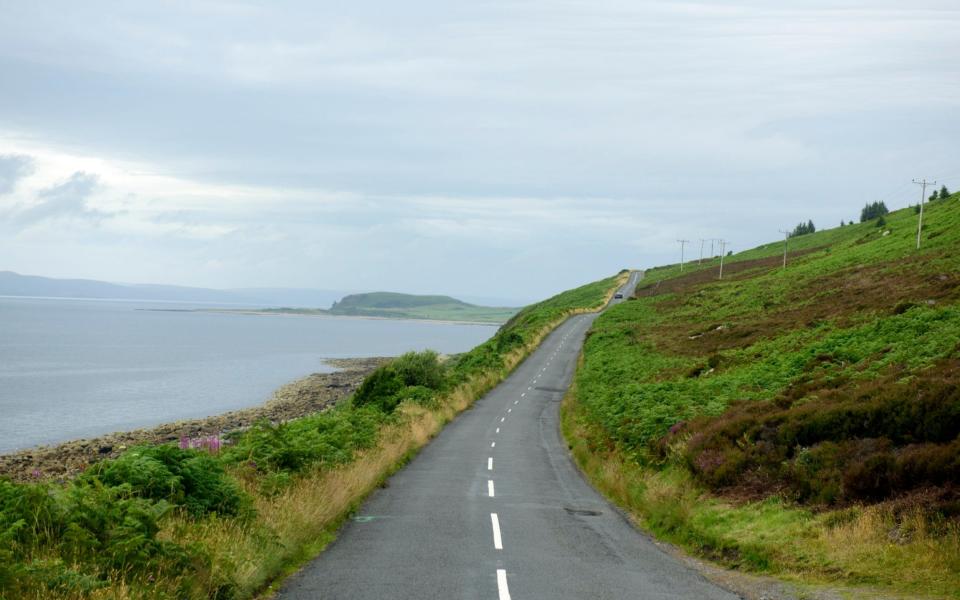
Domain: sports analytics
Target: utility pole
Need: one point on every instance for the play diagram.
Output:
(786, 236)
(723, 247)
(701, 251)
(923, 196)
(711, 248)
(682, 244)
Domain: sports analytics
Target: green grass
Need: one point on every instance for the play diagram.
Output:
(691, 398)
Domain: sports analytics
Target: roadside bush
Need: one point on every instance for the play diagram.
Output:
(101, 529)
(325, 439)
(380, 389)
(192, 479)
(421, 369)
(386, 387)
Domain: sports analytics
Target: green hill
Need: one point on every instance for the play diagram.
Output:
(393, 301)
(392, 305)
(407, 306)
(803, 421)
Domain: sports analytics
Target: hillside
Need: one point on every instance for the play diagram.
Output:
(804, 421)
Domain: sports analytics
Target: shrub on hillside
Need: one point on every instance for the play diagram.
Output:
(95, 530)
(844, 445)
(380, 389)
(385, 387)
(324, 439)
(192, 479)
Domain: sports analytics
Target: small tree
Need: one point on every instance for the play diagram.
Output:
(933, 196)
(944, 193)
(872, 211)
(803, 229)
(881, 222)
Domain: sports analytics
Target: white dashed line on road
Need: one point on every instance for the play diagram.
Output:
(493, 444)
(490, 464)
(502, 588)
(498, 430)
(497, 540)
(490, 488)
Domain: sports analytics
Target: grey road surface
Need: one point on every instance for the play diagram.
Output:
(494, 508)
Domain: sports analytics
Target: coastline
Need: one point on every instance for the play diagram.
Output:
(303, 396)
(325, 315)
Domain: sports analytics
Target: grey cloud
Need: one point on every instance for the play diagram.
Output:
(64, 200)
(13, 168)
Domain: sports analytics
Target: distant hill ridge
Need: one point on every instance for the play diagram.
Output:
(394, 300)
(273, 300)
(410, 306)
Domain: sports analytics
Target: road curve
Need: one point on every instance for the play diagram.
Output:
(494, 508)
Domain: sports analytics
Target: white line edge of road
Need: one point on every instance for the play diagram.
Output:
(497, 540)
(502, 589)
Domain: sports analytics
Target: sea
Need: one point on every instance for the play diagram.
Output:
(79, 368)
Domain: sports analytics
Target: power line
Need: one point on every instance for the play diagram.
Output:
(923, 196)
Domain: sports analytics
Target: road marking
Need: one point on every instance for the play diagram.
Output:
(497, 540)
(516, 402)
(509, 410)
(502, 588)
(523, 395)
(490, 488)
(498, 430)
(490, 464)
(493, 444)
(502, 419)
(529, 388)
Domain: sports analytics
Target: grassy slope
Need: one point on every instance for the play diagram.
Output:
(854, 308)
(228, 525)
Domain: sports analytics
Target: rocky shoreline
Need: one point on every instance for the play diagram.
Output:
(310, 394)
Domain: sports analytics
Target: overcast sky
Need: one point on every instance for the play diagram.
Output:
(500, 148)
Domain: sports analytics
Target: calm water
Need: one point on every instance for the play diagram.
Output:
(75, 368)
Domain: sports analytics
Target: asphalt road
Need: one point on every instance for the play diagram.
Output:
(494, 508)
